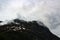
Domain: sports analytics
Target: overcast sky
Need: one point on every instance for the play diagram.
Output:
(47, 11)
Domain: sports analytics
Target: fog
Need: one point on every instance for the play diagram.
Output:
(46, 11)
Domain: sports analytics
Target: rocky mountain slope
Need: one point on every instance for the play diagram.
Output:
(22, 30)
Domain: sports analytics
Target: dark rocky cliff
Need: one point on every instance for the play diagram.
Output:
(22, 30)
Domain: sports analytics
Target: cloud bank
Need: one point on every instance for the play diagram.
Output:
(47, 11)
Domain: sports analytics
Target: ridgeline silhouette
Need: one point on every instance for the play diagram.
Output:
(22, 30)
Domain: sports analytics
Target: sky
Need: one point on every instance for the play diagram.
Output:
(46, 11)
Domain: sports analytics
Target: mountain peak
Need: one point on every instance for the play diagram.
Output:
(23, 30)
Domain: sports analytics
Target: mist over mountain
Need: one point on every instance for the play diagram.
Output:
(23, 30)
(46, 11)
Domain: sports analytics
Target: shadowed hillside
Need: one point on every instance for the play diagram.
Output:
(22, 30)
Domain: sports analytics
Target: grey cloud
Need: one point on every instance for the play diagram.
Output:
(47, 11)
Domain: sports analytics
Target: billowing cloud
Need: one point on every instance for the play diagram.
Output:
(47, 11)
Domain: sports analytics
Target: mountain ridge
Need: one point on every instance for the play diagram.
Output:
(23, 30)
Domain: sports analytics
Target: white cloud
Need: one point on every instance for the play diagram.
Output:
(47, 11)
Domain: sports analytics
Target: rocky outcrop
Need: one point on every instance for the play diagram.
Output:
(22, 30)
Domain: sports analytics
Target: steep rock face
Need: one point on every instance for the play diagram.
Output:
(22, 30)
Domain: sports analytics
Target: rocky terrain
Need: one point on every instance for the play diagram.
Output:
(22, 30)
